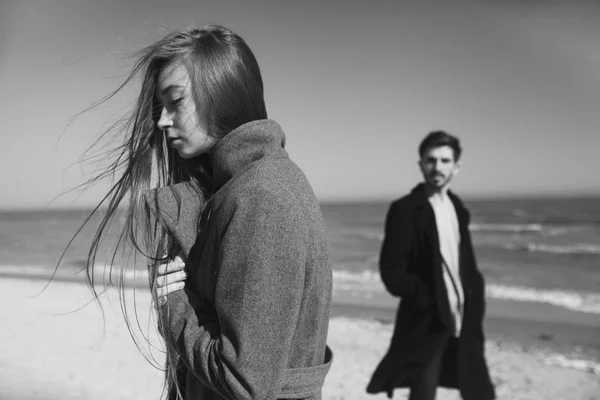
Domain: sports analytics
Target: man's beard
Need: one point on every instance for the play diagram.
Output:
(442, 181)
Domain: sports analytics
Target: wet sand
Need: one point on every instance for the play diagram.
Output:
(542, 327)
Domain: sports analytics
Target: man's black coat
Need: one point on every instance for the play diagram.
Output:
(411, 268)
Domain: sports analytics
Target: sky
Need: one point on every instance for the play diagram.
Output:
(355, 85)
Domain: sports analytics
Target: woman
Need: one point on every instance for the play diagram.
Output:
(252, 320)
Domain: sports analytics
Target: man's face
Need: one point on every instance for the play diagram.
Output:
(438, 166)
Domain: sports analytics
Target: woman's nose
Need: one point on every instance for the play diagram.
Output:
(165, 120)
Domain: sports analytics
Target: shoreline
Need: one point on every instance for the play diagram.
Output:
(539, 327)
(551, 330)
(366, 284)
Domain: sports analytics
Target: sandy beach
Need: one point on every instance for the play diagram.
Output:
(52, 348)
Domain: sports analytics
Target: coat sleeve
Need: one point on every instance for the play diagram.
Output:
(395, 256)
(242, 352)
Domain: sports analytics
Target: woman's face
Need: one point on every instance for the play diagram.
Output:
(178, 117)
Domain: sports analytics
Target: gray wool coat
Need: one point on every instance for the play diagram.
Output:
(252, 322)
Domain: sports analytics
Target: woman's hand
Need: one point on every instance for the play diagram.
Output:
(170, 277)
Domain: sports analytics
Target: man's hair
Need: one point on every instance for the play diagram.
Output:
(438, 139)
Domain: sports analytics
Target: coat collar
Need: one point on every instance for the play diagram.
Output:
(421, 201)
(244, 145)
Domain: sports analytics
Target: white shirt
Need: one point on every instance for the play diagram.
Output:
(449, 238)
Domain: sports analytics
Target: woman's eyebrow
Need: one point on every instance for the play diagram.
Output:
(166, 90)
(163, 93)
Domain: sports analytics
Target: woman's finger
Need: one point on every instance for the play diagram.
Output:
(172, 266)
(173, 277)
(165, 290)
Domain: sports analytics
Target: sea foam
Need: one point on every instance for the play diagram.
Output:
(370, 281)
(363, 283)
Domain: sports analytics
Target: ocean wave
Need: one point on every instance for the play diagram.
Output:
(506, 228)
(578, 364)
(541, 229)
(535, 229)
(575, 249)
(377, 236)
(578, 301)
(366, 281)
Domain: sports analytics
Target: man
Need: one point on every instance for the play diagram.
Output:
(427, 259)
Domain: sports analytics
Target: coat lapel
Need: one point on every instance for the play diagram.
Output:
(426, 221)
(461, 212)
(463, 225)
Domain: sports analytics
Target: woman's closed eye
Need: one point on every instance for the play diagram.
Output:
(171, 104)
(177, 101)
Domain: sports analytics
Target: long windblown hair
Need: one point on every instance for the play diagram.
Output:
(228, 92)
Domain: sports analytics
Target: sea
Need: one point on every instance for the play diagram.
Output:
(543, 250)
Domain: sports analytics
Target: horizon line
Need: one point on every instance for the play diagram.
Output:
(349, 200)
